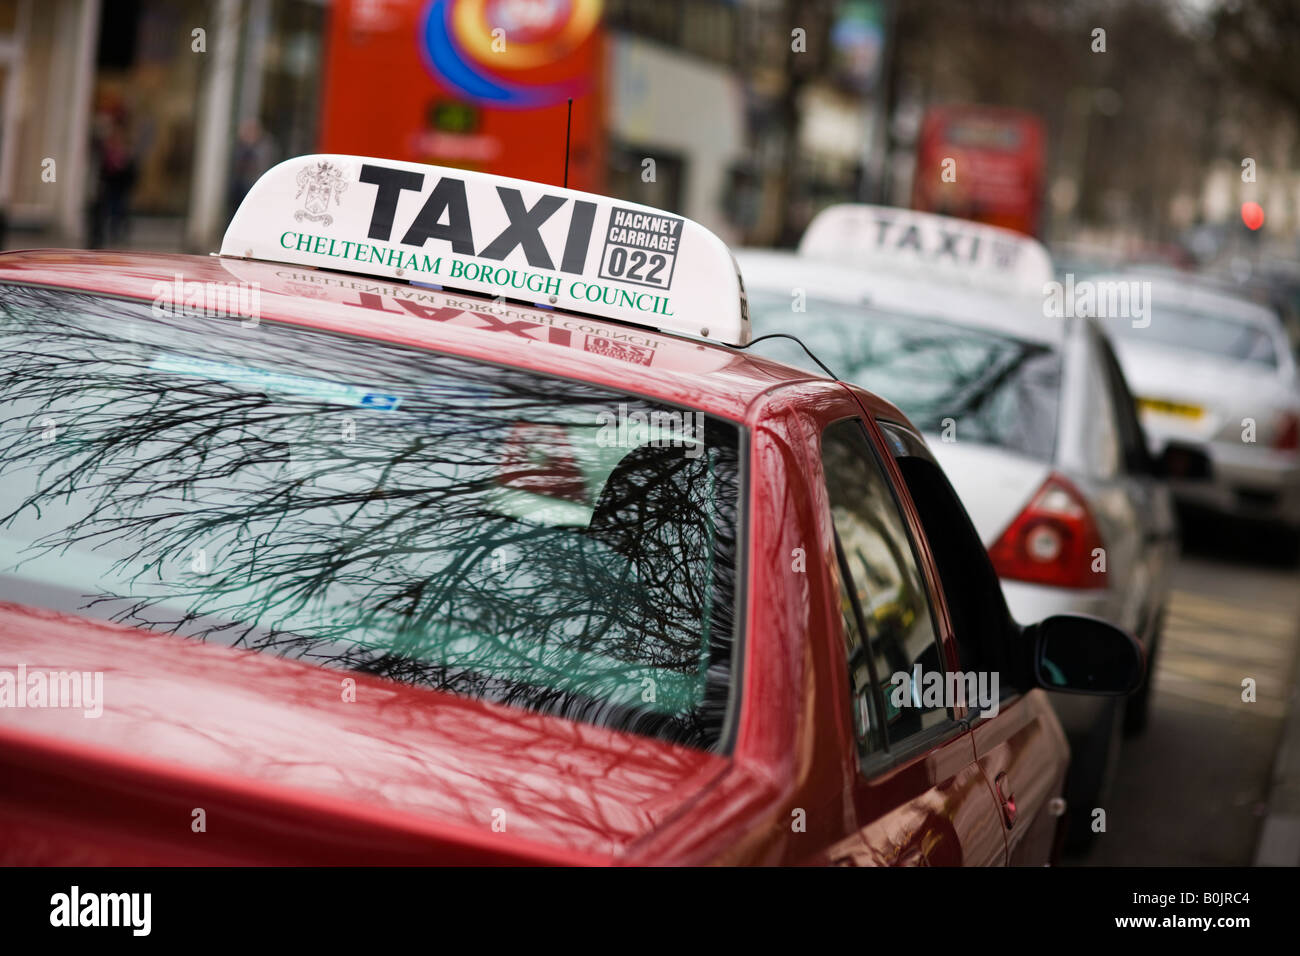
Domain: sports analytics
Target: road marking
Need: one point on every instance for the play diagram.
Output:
(1194, 789)
(1211, 644)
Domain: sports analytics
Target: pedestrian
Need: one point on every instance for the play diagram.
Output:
(255, 153)
(115, 171)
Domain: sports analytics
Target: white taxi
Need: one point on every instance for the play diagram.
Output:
(1028, 414)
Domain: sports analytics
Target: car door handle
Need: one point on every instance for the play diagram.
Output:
(1002, 784)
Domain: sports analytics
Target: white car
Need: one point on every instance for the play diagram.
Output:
(1029, 416)
(1214, 374)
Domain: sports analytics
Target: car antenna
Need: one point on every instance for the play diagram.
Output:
(568, 127)
(796, 340)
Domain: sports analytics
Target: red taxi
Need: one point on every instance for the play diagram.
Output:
(445, 518)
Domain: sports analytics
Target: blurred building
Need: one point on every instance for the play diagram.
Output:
(744, 114)
(179, 79)
(723, 110)
(747, 115)
(765, 110)
(677, 101)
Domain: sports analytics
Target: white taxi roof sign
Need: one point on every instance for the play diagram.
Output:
(491, 234)
(958, 250)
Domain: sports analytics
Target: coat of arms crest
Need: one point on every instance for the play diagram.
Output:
(320, 183)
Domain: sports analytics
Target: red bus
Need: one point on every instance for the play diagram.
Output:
(983, 163)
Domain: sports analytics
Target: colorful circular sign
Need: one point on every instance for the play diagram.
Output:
(507, 53)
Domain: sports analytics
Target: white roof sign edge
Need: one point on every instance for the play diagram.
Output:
(887, 237)
(492, 234)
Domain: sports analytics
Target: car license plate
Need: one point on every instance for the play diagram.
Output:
(1164, 407)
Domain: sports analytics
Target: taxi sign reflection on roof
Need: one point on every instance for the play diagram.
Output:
(504, 237)
(958, 250)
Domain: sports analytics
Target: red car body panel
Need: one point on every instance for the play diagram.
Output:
(406, 752)
(1018, 744)
(286, 772)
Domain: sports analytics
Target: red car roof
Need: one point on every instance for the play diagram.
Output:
(715, 378)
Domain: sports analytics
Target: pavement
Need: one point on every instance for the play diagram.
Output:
(1279, 838)
(1215, 780)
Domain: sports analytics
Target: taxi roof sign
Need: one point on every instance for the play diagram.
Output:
(888, 238)
(490, 234)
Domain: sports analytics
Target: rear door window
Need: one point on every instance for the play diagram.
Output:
(897, 633)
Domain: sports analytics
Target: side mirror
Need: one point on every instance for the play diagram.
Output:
(1085, 655)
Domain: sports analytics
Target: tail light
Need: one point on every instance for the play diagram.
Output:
(1288, 434)
(1053, 541)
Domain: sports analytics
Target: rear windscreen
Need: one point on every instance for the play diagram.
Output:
(1200, 331)
(434, 520)
(1003, 391)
